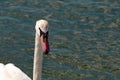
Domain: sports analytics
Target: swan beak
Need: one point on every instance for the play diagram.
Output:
(45, 43)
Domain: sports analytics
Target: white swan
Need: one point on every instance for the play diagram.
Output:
(11, 72)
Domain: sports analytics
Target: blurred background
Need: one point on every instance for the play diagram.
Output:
(84, 37)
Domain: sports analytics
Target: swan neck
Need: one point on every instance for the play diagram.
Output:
(37, 69)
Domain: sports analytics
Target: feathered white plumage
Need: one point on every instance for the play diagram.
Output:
(11, 72)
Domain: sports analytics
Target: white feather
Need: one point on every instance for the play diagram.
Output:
(11, 72)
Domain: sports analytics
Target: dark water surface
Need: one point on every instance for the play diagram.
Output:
(84, 37)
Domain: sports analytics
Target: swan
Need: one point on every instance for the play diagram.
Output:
(11, 72)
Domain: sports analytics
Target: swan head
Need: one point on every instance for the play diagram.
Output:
(42, 31)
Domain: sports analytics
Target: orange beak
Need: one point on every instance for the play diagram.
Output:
(45, 44)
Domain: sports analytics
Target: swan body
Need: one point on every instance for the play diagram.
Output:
(11, 72)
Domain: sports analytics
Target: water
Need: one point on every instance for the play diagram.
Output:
(84, 37)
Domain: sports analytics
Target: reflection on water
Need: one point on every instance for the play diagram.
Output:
(84, 37)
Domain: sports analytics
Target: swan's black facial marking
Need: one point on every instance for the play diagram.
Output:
(42, 33)
(44, 41)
